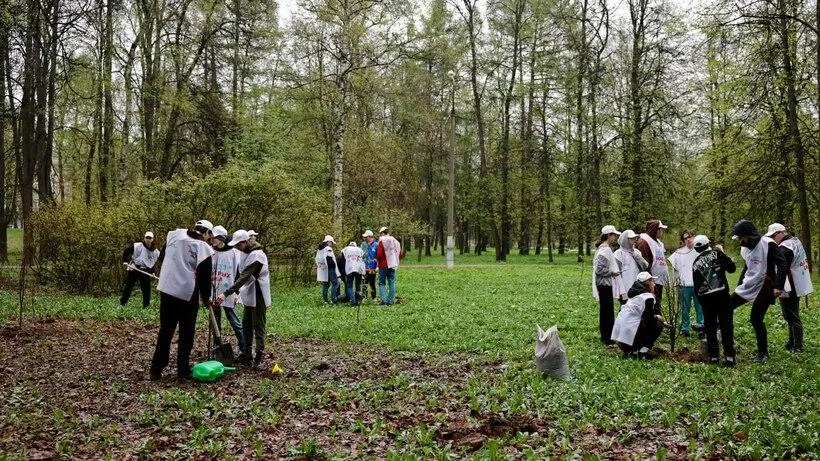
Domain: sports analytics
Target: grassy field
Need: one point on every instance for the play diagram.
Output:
(447, 373)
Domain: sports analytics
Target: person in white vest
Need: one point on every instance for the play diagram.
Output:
(354, 268)
(387, 257)
(253, 285)
(226, 262)
(142, 255)
(761, 281)
(185, 278)
(326, 271)
(712, 290)
(652, 249)
(639, 323)
(681, 261)
(606, 282)
(630, 261)
(798, 283)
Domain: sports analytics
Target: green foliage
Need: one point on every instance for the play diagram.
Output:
(79, 247)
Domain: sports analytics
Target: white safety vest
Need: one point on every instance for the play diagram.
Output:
(629, 319)
(629, 267)
(248, 290)
(354, 259)
(657, 267)
(392, 249)
(225, 267)
(682, 260)
(321, 263)
(799, 270)
(143, 257)
(182, 256)
(755, 275)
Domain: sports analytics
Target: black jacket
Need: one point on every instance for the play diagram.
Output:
(709, 274)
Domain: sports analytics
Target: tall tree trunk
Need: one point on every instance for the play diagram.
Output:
(506, 220)
(580, 125)
(4, 54)
(794, 142)
(107, 56)
(126, 122)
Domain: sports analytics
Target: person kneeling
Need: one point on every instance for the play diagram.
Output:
(639, 324)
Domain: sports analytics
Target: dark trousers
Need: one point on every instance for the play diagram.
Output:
(717, 312)
(757, 317)
(172, 312)
(253, 329)
(370, 279)
(649, 330)
(791, 313)
(606, 313)
(145, 287)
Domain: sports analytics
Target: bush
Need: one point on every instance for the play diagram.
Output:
(79, 247)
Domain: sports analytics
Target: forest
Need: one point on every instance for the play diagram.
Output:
(537, 121)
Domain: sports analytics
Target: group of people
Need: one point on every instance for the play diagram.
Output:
(776, 267)
(357, 265)
(201, 264)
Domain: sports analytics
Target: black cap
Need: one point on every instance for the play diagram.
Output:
(744, 228)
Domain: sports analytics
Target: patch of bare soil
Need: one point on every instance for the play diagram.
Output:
(79, 389)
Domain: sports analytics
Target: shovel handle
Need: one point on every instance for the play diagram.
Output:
(134, 268)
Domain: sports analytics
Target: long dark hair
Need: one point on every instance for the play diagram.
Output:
(603, 238)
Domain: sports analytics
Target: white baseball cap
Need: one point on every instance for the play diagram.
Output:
(253, 232)
(239, 236)
(661, 225)
(204, 223)
(644, 276)
(148, 234)
(701, 241)
(383, 230)
(609, 229)
(329, 238)
(220, 231)
(630, 234)
(368, 233)
(775, 228)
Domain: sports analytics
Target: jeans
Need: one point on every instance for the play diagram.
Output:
(687, 298)
(791, 313)
(173, 312)
(333, 284)
(145, 287)
(236, 325)
(606, 313)
(387, 286)
(352, 287)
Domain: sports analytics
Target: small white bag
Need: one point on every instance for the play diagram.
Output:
(550, 354)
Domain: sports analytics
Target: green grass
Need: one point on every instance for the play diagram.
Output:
(490, 310)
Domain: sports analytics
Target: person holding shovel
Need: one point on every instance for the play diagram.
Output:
(143, 256)
(185, 278)
(253, 285)
(226, 262)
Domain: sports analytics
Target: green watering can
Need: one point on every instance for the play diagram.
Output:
(209, 371)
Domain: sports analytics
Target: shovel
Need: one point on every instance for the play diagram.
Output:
(222, 352)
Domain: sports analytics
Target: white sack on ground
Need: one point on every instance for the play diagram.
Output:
(550, 354)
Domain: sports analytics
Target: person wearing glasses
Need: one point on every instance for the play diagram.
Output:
(681, 261)
(143, 256)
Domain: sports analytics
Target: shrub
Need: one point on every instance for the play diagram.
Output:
(79, 247)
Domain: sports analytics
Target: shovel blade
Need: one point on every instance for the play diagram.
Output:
(223, 353)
